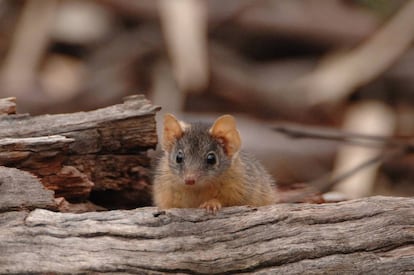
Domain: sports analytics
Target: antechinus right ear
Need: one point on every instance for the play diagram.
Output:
(172, 131)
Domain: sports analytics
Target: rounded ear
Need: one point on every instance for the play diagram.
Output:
(224, 129)
(172, 131)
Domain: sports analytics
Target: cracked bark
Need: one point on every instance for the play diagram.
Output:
(73, 154)
(365, 236)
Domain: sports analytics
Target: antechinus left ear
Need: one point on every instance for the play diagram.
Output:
(224, 129)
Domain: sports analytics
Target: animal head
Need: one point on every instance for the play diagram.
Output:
(198, 153)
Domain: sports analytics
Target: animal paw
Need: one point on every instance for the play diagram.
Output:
(211, 206)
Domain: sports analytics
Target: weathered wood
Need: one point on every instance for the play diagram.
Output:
(366, 236)
(65, 206)
(104, 149)
(20, 190)
(44, 157)
(117, 128)
(7, 106)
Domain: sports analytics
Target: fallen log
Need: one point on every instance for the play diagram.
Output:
(366, 236)
(73, 154)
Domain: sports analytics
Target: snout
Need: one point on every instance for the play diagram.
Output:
(191, 178)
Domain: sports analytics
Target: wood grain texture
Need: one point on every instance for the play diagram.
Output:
(365, 236)
(20, 190)
(7, 106)
(44, 157)
(115, 128)
(72, 154)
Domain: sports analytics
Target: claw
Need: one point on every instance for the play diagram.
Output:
(211, 206)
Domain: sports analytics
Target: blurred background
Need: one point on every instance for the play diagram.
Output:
(299, 76)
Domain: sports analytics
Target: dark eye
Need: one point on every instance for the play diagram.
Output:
(211, 158)
(179, 158)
